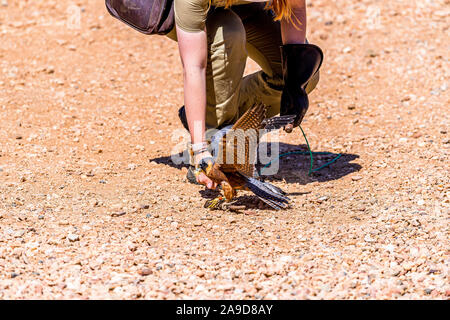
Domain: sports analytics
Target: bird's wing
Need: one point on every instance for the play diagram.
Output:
(252, 118)
(241, 142)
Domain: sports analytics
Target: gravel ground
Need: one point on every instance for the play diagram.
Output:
(91, 207)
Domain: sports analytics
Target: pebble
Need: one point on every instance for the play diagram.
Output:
(346, 50)
(118, 214)
(156, 233)
(19, 233)
(145, 271)
(356, 178)
(73, 237)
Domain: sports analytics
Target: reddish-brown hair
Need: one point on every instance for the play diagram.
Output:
(281, 8)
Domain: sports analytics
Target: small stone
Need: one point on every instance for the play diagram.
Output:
(132, 166)
(367, 238)
(371, 53)
(156, 233)
(395, 271)
(118, 214)
(73, 237)
(144, 206)
(428, 291)
(435, 92)
(356, 178)
(50, 70)
(145, 272)
(19, 234)
(197, 223)
(14, 275)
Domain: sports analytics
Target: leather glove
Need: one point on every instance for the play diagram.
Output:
(300, 63)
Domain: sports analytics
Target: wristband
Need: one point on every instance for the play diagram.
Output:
(196, 147)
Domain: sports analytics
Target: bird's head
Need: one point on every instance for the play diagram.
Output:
(206, 164)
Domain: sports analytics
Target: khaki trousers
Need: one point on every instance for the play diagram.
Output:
(233, 35)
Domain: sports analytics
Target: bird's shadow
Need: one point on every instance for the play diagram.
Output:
(291, 168)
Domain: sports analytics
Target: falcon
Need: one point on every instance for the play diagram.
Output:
(236, 153)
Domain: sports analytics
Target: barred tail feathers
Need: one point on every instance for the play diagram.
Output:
(268, 193)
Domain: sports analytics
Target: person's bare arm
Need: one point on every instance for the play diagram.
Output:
(193, 53)
(289, 32)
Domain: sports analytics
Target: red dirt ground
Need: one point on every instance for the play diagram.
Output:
(92, 207)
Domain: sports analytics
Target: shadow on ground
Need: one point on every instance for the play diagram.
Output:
(293, 168)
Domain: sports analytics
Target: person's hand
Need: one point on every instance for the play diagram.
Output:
(200, 174)
(294, 101)
(300, 63)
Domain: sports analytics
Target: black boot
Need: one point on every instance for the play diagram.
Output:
(300, 63)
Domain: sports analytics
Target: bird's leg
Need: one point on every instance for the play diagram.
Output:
(229, 193)
(222, 202)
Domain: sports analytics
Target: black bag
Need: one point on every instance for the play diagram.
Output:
(146, 16)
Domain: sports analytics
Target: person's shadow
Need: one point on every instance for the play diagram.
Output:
(294, 167)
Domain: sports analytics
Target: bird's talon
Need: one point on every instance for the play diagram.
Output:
(214, 203)
(227, 205)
